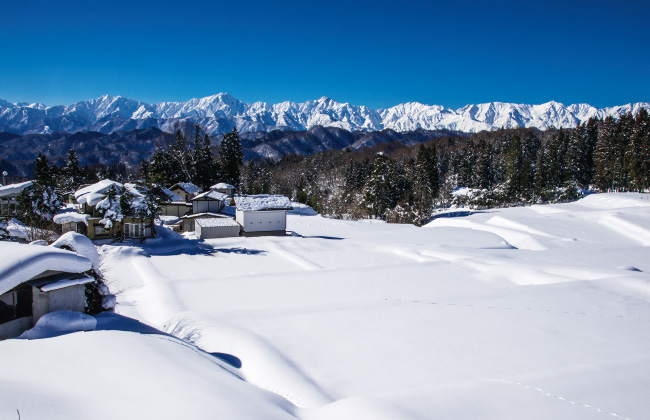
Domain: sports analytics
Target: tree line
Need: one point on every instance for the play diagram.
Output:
(499, 168)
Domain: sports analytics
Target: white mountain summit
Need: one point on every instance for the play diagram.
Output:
(220, 113)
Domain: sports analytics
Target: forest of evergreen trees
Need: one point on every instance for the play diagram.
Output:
(502, 168)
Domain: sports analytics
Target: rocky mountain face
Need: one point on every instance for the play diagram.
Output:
(218, 114)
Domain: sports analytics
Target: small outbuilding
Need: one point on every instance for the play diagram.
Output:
(224, 188)
(217, 227)
(185, 190)
(262, 215)
(36, 280)
(209, 202)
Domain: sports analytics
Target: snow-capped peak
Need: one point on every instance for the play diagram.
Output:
(220, 112)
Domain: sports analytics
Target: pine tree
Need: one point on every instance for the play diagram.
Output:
(205, 167)
(126, 202)
(179, 157)
(517, 171)
(151, 203)
(231, 158)
(376, 198)
(39, 204)
(72, 175)
(540, 183)
(555, 158)
(625, 130)
(575, 161)
(605, 155)
(159, 170)
(637, 155)
(591, 140)
(483, 172)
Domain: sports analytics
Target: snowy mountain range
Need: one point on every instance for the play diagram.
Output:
(220, 113)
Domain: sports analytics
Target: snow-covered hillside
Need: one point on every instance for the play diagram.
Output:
(535, 312)
(220, 113)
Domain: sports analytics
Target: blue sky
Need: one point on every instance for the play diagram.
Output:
(375, 53)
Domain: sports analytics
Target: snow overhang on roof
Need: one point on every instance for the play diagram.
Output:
(69, 215)
(195, 215)
(20, 263)
(222, 185)
(14, 189)
(93, 194)
(211, 195)
(60, 281)
(262, 202)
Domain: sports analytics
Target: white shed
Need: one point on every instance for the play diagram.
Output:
(262, 214)
(209, 202)
(217, 227)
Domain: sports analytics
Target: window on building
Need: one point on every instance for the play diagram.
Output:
(15, 304)
(100, 230)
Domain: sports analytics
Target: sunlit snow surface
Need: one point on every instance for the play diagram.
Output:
(538, 312)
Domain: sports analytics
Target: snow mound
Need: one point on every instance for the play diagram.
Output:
(59, 323)
(302, 210)
(615, 201)
(79, 244)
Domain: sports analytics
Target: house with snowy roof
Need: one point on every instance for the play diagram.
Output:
(36, 280)
(185, 190)
(173, 205)
(97, 215)
(224, 188)
(262, 214)
(9, 197)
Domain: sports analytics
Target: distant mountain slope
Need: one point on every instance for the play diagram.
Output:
(17, 153)
(220, 113)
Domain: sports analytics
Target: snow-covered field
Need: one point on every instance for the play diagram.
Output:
(538, 312)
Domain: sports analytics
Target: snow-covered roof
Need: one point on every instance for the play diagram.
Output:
(79, 244)
(188, 187)
(172, 196)
(68, 215)
(195, 215)
(14, 189)
(211, 194)
(216, 222)
(93, 194)
(222, 185)
(20, 263)
(262, 202)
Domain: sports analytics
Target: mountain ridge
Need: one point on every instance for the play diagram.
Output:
(221, 112)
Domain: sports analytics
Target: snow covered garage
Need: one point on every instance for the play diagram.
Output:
(36, 280)
(262, 215)
(217, 227)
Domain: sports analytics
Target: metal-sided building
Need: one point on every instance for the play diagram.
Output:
(217, 227)
(262, 215)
